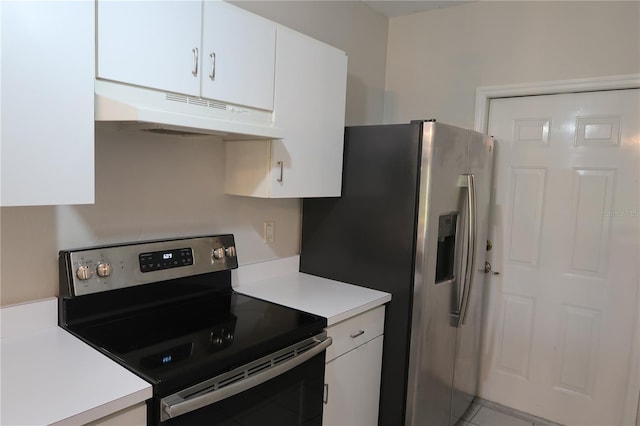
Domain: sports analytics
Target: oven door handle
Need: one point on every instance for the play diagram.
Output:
(209, 392)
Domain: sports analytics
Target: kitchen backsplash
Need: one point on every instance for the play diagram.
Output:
(147, 186)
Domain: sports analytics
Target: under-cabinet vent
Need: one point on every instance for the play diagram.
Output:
(218, 105)
(196, 101)
(177, 98)
(125, 107)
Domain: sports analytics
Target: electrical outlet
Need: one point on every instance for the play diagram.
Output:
(269, 234)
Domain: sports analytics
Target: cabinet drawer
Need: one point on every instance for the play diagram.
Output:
(353, 332)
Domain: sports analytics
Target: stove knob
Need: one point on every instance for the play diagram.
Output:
(218, 253)
(83, 272)
(230, 251)
(103, 269)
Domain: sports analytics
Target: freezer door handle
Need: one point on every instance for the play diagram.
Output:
(471, 248)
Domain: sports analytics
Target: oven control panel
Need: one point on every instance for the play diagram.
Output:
(105, 268)
(166, 259)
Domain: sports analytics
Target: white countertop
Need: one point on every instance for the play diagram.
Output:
(50, 377)
(280, 282)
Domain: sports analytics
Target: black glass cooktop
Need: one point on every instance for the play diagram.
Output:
(184, 342)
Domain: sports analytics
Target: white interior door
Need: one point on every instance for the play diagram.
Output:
(565, 218)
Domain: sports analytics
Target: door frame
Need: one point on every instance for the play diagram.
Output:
(484, 94)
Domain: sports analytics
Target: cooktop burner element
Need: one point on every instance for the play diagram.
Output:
(166, 310)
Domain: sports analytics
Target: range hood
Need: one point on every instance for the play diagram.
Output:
(135, 108)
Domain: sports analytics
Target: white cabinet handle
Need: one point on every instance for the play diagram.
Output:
(281, 164)
(359, 333)
(325, 397)
(195, 62)
(212, 76)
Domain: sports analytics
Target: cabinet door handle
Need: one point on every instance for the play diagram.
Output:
(281, 164)
(195, 62)
(325, 396)
(212, 76)
(359, 333)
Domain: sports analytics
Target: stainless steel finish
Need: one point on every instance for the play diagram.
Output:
(433, 337)
(218, 253)
(230, 251)
(468, 339)
(83, 272)
(463, 181)
(452, 281)
(194, 71)
(471, 251)
(125, 270)
(444, 348)
(358, 334)
(281, 164)
(242, 378)
(103, 269)
(212, 75)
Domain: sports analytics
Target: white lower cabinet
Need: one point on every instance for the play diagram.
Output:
(352, 373)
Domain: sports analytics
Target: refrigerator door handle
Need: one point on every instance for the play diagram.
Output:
(471, 248)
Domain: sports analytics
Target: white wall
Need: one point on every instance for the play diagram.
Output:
(437, 59)
(350, 26)
(152, 186)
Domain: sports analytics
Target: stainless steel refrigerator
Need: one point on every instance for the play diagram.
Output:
(412, 221)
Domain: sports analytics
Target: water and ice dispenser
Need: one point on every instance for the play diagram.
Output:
(445, 258)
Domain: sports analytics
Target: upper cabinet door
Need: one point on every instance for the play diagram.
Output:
(238, 59)
(46, 102)
(152, 44)
(311, 86)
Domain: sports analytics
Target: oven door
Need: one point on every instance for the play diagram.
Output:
(284, 388)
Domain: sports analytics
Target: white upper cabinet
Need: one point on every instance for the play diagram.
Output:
(310, 92)
(311, 88)
(238, 54)
(210, 49)
(47, 96)
(152, 44)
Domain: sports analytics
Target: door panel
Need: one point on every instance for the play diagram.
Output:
(353, 391)
(565, 227)
(238, 56)
(150, 43)
(445, 153)
(469, 336)
(309, 106)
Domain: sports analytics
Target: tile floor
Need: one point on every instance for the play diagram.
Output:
(479, 415)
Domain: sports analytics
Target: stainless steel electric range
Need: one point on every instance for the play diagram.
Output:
(166, 310)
